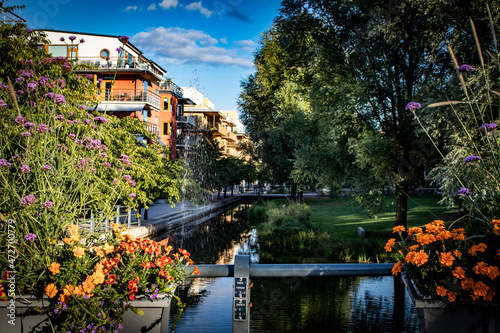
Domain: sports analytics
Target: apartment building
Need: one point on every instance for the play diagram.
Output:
(204, 118)
(129, 84)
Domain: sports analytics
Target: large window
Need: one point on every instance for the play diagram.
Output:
(165, 103)
(66, 51)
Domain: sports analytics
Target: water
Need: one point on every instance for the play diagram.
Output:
(351, 304)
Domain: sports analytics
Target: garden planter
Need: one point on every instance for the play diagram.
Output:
(28, 320)
(435, 316)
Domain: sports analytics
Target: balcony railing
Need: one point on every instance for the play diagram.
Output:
(140, 95)
(232, 136)
(98, 63)
(221, 129)
(11, 18)
(187, 120)
(169, 85)
(152, 128)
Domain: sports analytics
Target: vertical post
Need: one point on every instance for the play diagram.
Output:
(92, 223)
(241, 294)
(129, 217)
(117, 217)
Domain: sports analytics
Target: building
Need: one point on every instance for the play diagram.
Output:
(129, 84)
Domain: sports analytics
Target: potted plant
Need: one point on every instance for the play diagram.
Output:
(55, 165)
(451, 270)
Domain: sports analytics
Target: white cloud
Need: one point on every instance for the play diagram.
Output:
(176, 46)
(223, 40)
(167, 4)
(198, 6)
(130, 8)
(152, 6)
(246, 45)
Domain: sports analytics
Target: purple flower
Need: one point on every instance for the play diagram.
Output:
(29, 125)
(26, 134)
(465, 68)
(69, 122)
(25, 169)
(413, 106)
(30, 237)
(103, 155)
(46, 167)
(123, 39)
(132, 183)
(81, 107)
(19, 120)
(60, 99)
(50, 95)
(19, 79)
(100, 80)
(82, 40)
(31, 86)
(119, 49)
(31, 103)
(72, 136)
(124, 156)
(132, 195)
(87, 121)
(100, 119)
(44, 81)
(59, 117)
(61, 39)
(28, 200)
(4, 163)
(106, 164)
(42, 128)
(72, 38)
(2, 103)
(464, 191)
(48, 204)
(127, 178)
(79, 141)
(471, 158)
(488, 127)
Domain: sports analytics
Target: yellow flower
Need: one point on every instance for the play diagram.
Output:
(99, 251)
(73, 229)
(108, 248)
(50, 290)
(54, 268)
(78, 251)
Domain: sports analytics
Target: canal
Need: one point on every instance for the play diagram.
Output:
(323, 304)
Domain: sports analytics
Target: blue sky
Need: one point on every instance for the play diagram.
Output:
(207, 44)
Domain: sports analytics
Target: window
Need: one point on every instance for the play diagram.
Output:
(165, 103)
(104, 53)
(146, 85)
(58, 50)
(166, 128)
(179, 110)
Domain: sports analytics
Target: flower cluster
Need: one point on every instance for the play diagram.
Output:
(111, 270)
(448, 262)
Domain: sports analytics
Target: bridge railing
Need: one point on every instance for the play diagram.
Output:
(243, 270)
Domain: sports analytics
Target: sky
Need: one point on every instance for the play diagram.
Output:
(207, 44)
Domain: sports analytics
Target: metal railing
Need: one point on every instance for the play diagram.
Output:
(169, 85)
(98, 63)
(243, 270)
(91, 223)
(151, 128)
(187, 119)
(133, 95)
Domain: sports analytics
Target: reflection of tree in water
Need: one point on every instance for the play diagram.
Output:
(301, 305)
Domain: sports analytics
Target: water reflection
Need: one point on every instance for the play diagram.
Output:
(353, 304)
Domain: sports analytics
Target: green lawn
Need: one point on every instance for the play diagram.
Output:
(343, 216)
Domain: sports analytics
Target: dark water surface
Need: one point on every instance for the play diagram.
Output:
(322, 304)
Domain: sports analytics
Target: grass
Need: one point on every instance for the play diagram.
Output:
(330, 232)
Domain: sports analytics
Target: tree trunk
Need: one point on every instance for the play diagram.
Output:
(402, 203)
(293, 192)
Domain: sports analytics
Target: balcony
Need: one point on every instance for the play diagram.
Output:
(231, 136)
(130, 96)
(11, 18)
(186, 120)
(93, 64)
(169, 85)
(152, 128)
(219, 128)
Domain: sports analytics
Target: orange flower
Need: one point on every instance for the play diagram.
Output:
(148, 265)
(489, 295)
(451, 296)
(414, 230)
(443, 235)
(108, 248)
(457, 253)
(414, 247)
(111, 279)
(51, 290)
(441, 291)
(78, 251)
(71, 239)
(459, 273)
(87, 285)
(197, 271)
(97, 277)
(396, 269)
(424, 239)
(493, 272)
(467, 283)
(54, 268)
(398, 228)
(480, 289)
(390, 243)
(99, 251)
(481, 268)
(420, 258)
(481, 247)
(446, 259)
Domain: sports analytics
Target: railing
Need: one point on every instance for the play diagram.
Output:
(173, 88)
(11, 18)
(221, 129)
(232, 136)
(186, 141)
(98, 63)
(91, 223)
(187, 120)
(242, 271)
(151, 128)
(140, 95)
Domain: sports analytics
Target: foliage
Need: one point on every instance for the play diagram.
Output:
(57, 161)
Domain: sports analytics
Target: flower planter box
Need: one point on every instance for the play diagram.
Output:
(436, 316)
(27, 320)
